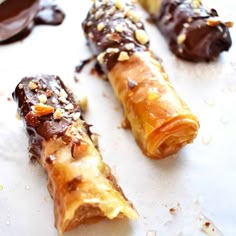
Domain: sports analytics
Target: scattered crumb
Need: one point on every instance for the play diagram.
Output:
(76, 78)
(9, 99)
(208, 227)
(83, 103)
(105, 95)
(207, 139)
(151, 233)
(173, 210)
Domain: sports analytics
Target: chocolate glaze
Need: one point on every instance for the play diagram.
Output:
(202, 41)
(18, 18)
(44, 127)
(83, 63)
(101, 29)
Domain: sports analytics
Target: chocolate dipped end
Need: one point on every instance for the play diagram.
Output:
(15, 16)
(114, 32)
(18, 18)
(194, 33)
(47, 108)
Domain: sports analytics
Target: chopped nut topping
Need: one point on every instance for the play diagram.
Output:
(213, 21)
(133, 16)
(100, 26)
(58, 114)
(76, 116)
(112, 50)
(141, 36)
(98, 14)
(42, 109)
(181, 38)
(31, 119)
(89, 23)
(42, 98)
(196, 4)
(119, 5)
(69, 106)
(32, 85)
(90, 35)
(186, 25)
(83, 104)
(20, 86)
(63, 93)
(229, 24)
(119, 28)
(100, 57)
(129, 46)
(123, 56)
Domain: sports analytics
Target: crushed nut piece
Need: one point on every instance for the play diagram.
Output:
(98, 14)
(20, 86)
(129, 46)
(172, 210)
(89, 23)
(119, 5)
(112, 50)
(229, 24)
(133, 16)
(100, 26)
(42, 109)
(100, 57)
(213, 21)
(42, 98)
(32, 85)
(69, 106)
(76, 116)
(181, 38)
(123, 56)
(63, 93)
(141, 36)
(119, 28)
(196, 4)
(58, 114)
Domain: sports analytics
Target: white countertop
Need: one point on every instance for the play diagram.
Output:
(199, 180)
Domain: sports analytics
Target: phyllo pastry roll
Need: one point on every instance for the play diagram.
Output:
(160, 120)
(80, 183)
(194, 32)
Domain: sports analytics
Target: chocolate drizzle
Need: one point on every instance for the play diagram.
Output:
(185, 23)
(110, 28)
(18, 18)
(27, 94)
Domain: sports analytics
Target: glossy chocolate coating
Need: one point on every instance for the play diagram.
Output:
(17, 18)
(110, 29)
(44, 127)
(200, 41)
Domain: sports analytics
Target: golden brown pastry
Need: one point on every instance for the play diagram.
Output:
(161, 122)
(80, 183)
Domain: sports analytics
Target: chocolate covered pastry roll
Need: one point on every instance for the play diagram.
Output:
(80, 183)
(160, 120)
(194, 32)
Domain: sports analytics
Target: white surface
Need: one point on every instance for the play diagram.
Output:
(200, 179)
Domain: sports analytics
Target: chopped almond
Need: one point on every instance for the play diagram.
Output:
(42, 109)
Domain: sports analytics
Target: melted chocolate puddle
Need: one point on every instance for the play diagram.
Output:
(48, 14)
